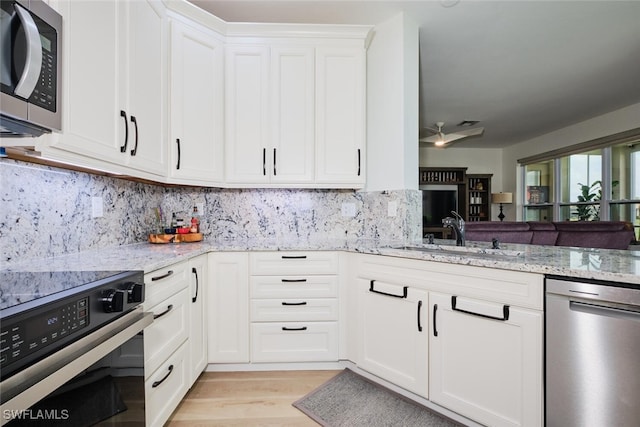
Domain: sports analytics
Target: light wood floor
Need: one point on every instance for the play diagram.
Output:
(248, 399)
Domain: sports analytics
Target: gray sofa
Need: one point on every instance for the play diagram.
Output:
(585, 234)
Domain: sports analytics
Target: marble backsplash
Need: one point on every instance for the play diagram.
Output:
(47, 212)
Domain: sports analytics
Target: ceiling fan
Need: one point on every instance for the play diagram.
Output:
(440, 139)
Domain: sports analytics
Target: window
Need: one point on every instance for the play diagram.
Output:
(597, 180)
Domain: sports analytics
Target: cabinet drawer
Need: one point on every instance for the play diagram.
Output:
(294, 286)
(287, 263)
(165, 388)
(294, 342)
(161, 284)
(294, 310)
(167, 332)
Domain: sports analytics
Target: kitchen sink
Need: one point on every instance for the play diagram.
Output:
(461, 250)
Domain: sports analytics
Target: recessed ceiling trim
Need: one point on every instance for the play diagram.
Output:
(606, 141)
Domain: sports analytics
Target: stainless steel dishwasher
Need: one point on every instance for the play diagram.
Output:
(592, 353)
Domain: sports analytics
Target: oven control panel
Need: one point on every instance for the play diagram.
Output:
(24, 337)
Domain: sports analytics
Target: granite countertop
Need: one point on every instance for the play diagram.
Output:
(600, 264)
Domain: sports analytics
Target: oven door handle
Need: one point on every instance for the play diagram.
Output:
(30, 385)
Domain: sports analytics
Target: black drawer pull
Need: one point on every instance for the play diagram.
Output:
(294, 257)
(294, 280)
(505, 311)
(169, 308)
(164, 276)
(404, 291)
(178, 142)
(304, 328)
(419, 310)
(195, 271)
(157, 383)
(135, 147)
(294, 303)
(435, 310)
(123, 148)
(359, 162)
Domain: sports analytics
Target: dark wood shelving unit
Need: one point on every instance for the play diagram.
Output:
(478, 197)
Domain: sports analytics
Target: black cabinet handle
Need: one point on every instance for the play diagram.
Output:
(358, 162)
(294, 256)
(264, 161)
(294, 303)
(435, 310)
(293, 280)
(135, 147)
(169, 308)
(157, 383)
(404, 291)
(274, 162)
(123, 148)
(178, 142)
(195, 271)
(304, 328)
(505, 311)
(419, 310)
(164, 276)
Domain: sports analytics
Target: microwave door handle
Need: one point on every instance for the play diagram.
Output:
(33, 66)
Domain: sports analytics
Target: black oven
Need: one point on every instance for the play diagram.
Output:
(72, 348)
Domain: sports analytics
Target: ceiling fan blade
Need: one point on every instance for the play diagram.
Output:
(424, 132)
(470, 132)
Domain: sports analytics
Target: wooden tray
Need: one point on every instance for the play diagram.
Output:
(175, 238)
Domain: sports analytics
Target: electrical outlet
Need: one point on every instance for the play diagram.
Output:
(200, 207)
(392, 208)
(97, 208)
(349, 209)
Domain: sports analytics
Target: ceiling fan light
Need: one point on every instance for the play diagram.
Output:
(439, 143)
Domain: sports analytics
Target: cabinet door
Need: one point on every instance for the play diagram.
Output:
(340, 115)
(197, 317)
(197, 101)
(145, 48)
(292, 114)
(393, 333)
(487, 369)
(228, 299)
(246, 114)
(92, 123)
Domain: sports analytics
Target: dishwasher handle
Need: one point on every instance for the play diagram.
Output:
(603, 310)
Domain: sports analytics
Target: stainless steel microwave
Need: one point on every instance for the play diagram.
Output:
(30, 60)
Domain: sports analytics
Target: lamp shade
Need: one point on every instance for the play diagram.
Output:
(501, 197)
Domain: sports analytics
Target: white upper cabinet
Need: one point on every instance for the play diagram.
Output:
(295, 110)
(92, 125)
(340, 116)
(196, 145)
(114, 83)
(292, 114)
(246, 114)
(146, 84)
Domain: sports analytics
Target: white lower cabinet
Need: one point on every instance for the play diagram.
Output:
(166, 386)
(486, 360)
(294, 341)
(393, 333)
(175, 343)
(198, 269)
(294, 307)
(228, 303)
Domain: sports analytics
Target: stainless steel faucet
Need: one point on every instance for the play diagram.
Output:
(457, 224)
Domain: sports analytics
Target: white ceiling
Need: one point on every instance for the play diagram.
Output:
(522, 68)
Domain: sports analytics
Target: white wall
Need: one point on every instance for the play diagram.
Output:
(392, 106)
